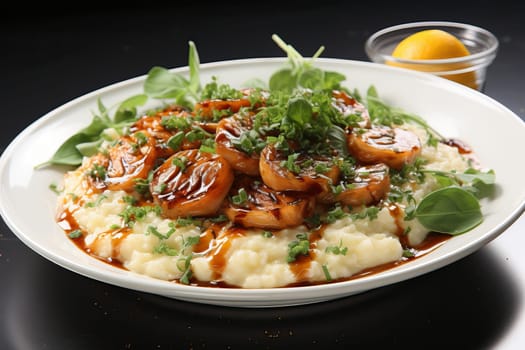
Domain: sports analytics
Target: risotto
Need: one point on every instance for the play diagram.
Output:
(266, 187)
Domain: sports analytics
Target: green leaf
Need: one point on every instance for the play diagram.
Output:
(193, 62)
(301, 73)
(483, 190)
(372, 92)
(256, 83)
(103, 110)
(89, 148)
(312, 78)
(96, 126)
(127, 110)
(332, 80)
(451, 210)
(472, 175)
(481, 184)
(299, 110)
(124, 115)
(283, 80)
(161, 83)
(87, 140)
(133, 101)
(445, 181)
(67, 153)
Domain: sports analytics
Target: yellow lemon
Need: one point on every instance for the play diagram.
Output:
(432, 44)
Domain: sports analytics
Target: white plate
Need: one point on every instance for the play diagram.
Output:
(496, 134)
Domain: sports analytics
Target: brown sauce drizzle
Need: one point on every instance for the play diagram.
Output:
(217, 254)
(69, 224)
(397, 214)
(216, 240)
(301, 265)
(116, 237)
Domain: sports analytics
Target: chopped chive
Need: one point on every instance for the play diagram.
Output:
(75, 234)
(326, 273)
(267, 234)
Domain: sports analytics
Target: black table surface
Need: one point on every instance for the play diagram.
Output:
(52, 55)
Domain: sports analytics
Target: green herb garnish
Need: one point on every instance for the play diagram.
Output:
(299, 246)
(75, 234)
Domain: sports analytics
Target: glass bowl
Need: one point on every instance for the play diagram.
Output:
(468, 70)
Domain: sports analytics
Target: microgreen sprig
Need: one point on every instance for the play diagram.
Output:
(302, 72)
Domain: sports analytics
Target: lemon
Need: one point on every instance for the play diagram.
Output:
(432, 44)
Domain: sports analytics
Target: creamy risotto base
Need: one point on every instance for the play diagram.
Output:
(247, 259)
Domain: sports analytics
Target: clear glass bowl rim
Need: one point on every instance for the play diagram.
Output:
(487, 54)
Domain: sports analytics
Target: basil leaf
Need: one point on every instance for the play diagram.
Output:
(89, 148)
(451, 210)
(483, 190)
(67, 153)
